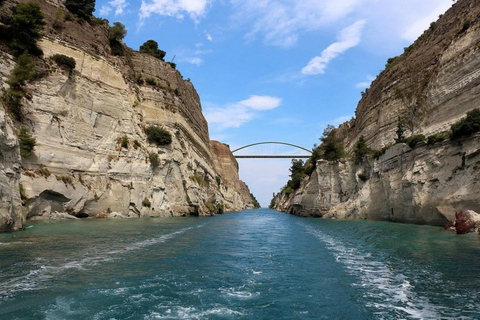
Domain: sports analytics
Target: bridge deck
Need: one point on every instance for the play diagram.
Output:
(272, 156)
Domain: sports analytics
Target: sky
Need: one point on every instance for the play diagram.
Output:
(275, 70)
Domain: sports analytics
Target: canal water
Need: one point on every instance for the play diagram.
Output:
(257, 264)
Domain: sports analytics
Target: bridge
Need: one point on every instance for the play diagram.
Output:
(274, 154)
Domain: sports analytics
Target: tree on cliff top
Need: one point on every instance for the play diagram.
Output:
(116, 33)
(82, 8)
(25, 28)
(331, 147)
(151, 47)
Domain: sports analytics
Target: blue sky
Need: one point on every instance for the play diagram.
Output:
(275, 70)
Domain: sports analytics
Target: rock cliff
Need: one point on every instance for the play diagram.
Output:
(92, 157)
(428, 88)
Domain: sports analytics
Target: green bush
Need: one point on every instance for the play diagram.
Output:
(23, 71)
(414, 140)
(154, 161)
(27, 143)
(218, 179)
(136, 144)
(297, 173)
(151, 81)
(173, 65)
(159, 136)
(331, 147)
(437, 138)
(361, 150)
(377, 153)
(146, 203)
(465, 26)
(81, 8)
(25, 29)
(255, 202)
(124, 142)
(64, 60)
(467, 126)
(116, 33)
(151, 47)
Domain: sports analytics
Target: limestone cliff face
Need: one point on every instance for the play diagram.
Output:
(79, 118)
(426, 184)
(430, 87)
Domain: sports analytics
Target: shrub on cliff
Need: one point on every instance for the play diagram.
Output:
(414, 140)
(154, 161)
(361, 150)
(81, 8)
(467, 126)
(151, 47)
(297, 173)
(439, 137)
(255, 202)
(27, 142)
(64, 60)
(331, 147)
(157, 135)
(25, 29)
(23, 71)
(116, 33)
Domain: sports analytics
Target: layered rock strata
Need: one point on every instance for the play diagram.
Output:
(92, 156)
(427, 184)
(427, 89)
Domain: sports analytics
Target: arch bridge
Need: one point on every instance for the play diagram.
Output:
(272, 154)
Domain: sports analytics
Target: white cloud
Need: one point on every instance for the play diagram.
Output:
(261, 103)
(208, 36)
(196, 9)
(348, 38)
(365, 84)
(236, 114)
(118, 5)
(193, 60)
(281, 21)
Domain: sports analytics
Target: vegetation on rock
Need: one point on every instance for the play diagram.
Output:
(297, 173)
(361, 150)
(146, 203)
(81, 8)
(412, 141)
(468, 125)
(151, 47)
(64, 60)
(255, 202)
(24, 29)
(159, 136)
(154, 161)
(331, 147)
(116, 33)
(27, 142)
(23, 71)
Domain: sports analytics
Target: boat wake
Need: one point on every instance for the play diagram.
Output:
(42, 275)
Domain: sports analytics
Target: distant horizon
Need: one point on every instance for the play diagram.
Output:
(275, 70)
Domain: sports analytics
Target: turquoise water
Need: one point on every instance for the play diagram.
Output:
(247, 265)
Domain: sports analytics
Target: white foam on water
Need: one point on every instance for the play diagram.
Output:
(239, 293)
(384, 288)
(180, 312)
(40, 277)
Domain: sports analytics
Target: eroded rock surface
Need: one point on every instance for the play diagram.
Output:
(79, 119)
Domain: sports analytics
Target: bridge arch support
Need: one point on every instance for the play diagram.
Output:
(273, 156)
